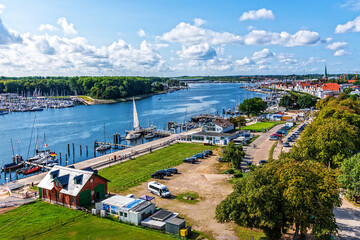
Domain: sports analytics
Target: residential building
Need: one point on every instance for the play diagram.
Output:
(72, 187)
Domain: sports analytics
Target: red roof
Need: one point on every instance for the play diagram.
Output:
(351, 81)
(331, 87)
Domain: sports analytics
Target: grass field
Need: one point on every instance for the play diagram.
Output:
(247, 234)
(259, 127)
(194, 195)
(46, 221)
(133, 172)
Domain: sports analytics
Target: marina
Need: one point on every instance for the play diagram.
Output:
(72, 132)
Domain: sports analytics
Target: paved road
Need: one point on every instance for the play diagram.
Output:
(348, 220)
(263, 146)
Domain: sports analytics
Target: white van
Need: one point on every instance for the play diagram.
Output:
(158, 189)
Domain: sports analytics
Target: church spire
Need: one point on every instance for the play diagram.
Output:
(325, 73)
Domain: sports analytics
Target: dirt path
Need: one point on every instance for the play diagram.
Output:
(212, 188)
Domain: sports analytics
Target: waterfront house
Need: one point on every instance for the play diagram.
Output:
(72, 187)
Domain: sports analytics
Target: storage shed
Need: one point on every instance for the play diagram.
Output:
(173, 225)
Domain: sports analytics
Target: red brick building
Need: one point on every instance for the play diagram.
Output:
(72, 187)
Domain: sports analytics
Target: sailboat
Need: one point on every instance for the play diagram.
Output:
(134, 134)
(103, 147)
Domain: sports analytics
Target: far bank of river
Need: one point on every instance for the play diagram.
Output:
(83, 125)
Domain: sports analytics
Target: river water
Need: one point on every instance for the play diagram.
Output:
(82, 125)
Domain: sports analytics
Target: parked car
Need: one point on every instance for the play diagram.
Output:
(205, 154)
(189, 160)
(262, 162)
(249, 163)
(199, 155)
(220, 159)
(273, 138)
(287, 144)
(158, 175)
(290, 139)
(277, 135)
(166, 173)
(286, 128)
(172, 170)
(209, 152)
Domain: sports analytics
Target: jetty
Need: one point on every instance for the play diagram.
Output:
(118, 156)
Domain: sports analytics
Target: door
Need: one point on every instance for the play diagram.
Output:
(99, 191)
(85, 198)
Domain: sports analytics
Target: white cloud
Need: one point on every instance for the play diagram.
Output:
(68, 28)
(2, 7)
(300, 38)
(352, 4)
(349, 26)
(337, 45)
(49, 27)
(198, 22)
(8, 36)
(265, 53)
(141, 33)
(245, 61)
(197, 52)
(257, 14)
(341, 52)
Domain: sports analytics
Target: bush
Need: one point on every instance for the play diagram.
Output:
(238, 175)
(229, 171)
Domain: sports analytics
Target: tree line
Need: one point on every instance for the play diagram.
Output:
(296, 100)
(97, 87)
(301, 189)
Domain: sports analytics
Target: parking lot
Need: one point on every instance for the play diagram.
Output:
(212, 187)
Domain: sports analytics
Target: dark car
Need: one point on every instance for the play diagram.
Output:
(220, 159)
(209, 152)
(262, 162)
(290, 139)
(287, 144)
(249, 163)
(274, 138)
(190, 160)
(199, 155)
(286, 128)
(157, 175)
(166, 173)
(172, 170)
(281, 131)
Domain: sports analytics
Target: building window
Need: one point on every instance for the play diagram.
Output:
(121, 214)
(73, 199)
(125, 214)
(59, 196)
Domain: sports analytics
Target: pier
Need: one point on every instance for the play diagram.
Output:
(125, 154)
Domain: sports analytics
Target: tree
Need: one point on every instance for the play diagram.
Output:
(239, 121)
(284, 193)
(234, 154)
(306, 101)
(253, 106)
(286, 101)
(350, 176)
(328, 141)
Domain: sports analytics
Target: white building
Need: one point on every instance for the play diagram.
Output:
(127, 209)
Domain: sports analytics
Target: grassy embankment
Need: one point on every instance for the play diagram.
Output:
(133, 172)
(261, 126)
(46, 221)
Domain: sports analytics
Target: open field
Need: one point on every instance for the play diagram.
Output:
(46, 221)
(133, 172)
(259, 127)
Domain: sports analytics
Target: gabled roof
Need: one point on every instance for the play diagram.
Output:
(65, 176)
(223, 123)
(331, 87)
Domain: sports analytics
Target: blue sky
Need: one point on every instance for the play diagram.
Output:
(174, 38)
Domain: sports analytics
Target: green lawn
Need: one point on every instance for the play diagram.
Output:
(247, 234)
(194, 195)
(47, 221)
(259, 127)
(133, 172)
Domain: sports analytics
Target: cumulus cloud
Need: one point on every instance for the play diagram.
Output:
(2, 6)
(198, 22)
(257, 14)
(141, 33)
(337, 45)
(352, 4)
(245, 61)
(341, 52)
(265, 53)
(353, 26)
(8, 36)
(300, 38)
(197, 52)
(48, 27)
(68, 28)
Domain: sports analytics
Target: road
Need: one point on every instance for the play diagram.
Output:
(348, 220)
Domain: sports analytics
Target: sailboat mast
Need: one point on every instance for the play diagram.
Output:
(104, 133)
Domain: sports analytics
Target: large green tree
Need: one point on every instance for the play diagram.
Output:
(282, 194)
(234, 154)
(306, 101)
(286, 101)
(350, 176)
(253, 106)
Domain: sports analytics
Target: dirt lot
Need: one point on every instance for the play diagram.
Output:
(212, 187)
